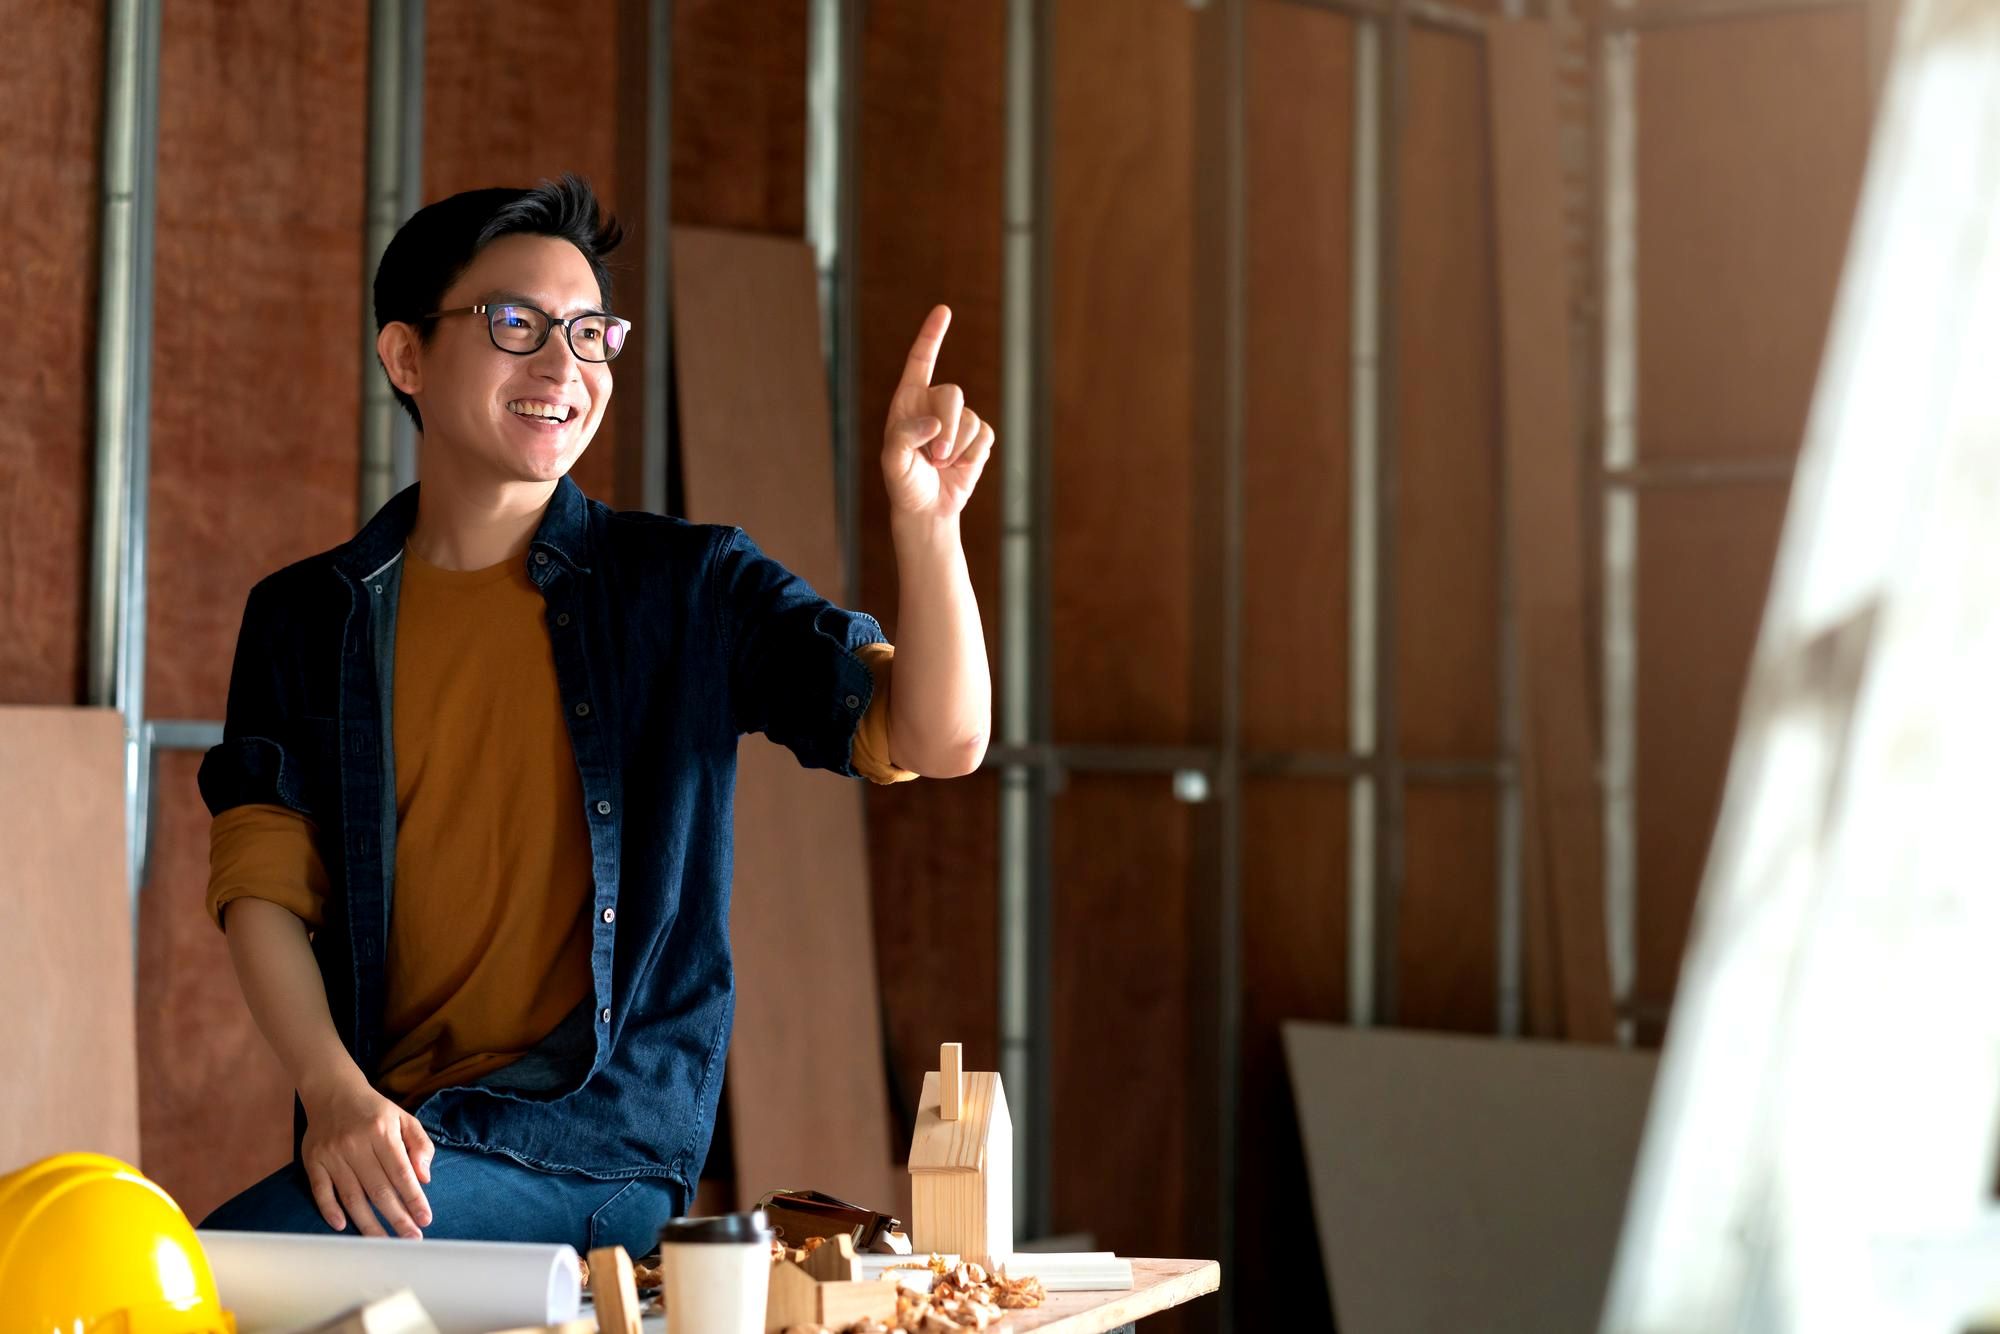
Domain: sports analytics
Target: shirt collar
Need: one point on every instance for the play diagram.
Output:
(563, 532)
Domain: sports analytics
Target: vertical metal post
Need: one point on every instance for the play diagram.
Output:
(831, 51)
(655, 302)
(1364, 506)
(1229, 924)
(117, 657)
(1621, 517)
(395, 185)
(1025, 789)
(1389, 797)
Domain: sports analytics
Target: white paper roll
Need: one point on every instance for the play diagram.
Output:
(279, 1282)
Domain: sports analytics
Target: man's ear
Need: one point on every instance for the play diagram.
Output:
(398, 348)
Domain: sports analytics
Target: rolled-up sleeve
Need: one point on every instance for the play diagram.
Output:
(269, 853)
(873, 753)
(796, 673)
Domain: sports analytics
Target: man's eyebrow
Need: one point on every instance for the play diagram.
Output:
(507, 297)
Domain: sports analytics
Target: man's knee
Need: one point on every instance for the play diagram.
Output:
(281, 1202)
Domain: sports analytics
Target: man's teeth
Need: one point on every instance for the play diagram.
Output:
(552, 411)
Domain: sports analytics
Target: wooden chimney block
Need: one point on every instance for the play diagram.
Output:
(962, 1165)
(614, 1291)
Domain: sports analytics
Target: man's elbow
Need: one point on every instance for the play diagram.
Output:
(956, 761)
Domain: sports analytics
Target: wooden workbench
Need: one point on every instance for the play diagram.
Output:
(1156, 1286)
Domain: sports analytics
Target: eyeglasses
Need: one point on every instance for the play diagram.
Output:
(522, 330)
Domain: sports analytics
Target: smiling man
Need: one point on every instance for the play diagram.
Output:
(472, 834)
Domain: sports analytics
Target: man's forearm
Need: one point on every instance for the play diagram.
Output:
(287, 997)
(941, 704)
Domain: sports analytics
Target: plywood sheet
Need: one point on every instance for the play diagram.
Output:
(1752, 135)
(258, 264)
(50, 112)
(746, 320)
(1295, 850)
(1563, 917)
(1705, 561)
(1121, 370)
(1446, 391)
(1447, 931)
(216, 1107)
(931, 110)
(1120, 969)
(68, 1050)
(739, 114)
(1466, 1183)
(1297, 356)
(479, 132)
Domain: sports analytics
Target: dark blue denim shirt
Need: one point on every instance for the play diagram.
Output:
(671, 640)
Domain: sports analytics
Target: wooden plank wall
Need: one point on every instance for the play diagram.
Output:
(51, 95)
(258, 265)
(1752, 137)
(1447, 520)
(1300, 147)
(932, 129)
(1122, 641)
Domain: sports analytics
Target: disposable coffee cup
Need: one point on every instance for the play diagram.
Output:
(715, 1273)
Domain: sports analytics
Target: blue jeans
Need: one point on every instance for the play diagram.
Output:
(482, 1197)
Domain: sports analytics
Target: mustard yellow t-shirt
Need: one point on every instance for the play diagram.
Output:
(489, 928)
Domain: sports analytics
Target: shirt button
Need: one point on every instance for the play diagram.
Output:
(610, 914)
(541, 558)
(582, 709)
(562, 618)
(604, 1015)
(854, 701)
(604, 808)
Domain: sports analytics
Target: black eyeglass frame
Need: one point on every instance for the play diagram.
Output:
(486, 309)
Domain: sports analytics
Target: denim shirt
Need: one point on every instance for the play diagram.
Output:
(671, 640)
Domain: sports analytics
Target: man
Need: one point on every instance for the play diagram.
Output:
(472, 807)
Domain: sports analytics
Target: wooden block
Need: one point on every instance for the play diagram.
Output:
(791, 1299)
(614, 1291)
(834, 1262)
(398, 1313)
(951, 1084)
(795, 1297)
(841, 1304)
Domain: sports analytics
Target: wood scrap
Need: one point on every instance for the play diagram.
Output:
(613, 1291)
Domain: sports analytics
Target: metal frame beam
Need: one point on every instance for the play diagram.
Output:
(395, 189)
(123, 434)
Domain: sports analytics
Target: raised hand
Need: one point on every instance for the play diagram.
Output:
(934, 447)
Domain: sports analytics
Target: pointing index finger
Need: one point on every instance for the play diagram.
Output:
(924, 352)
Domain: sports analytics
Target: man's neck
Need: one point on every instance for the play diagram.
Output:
(461, 526)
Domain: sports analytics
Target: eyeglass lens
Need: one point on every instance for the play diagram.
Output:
(523, 329)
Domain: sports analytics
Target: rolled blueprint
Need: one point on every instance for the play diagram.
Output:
(276, 1283)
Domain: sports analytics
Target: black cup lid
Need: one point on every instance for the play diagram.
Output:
(722, 1229)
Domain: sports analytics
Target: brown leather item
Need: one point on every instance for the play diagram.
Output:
(795, 1215)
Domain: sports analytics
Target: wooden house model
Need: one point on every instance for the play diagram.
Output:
(962, 1165)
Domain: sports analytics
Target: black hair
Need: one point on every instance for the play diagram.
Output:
(433, 248)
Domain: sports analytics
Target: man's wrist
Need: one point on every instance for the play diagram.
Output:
(924, 532)
(330, 1081)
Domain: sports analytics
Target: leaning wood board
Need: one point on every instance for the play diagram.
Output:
(756, 452)
(70, 1058)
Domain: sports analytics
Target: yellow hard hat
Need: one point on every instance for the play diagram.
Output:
(89, 1246)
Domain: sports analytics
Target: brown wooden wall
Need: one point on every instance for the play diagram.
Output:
(257, 266)
(51, 94)
(931, 130)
